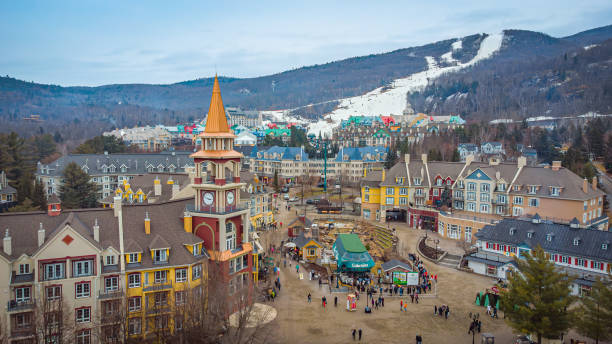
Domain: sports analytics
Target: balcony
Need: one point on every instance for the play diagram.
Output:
(22, 332)
(216, 211)
(23, 278)
(20, 306)
(157, 286)
(110, 294)
(157, 309)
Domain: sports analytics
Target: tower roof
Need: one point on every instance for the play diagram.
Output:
(216, 122)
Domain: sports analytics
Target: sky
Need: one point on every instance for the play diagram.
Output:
(109, 42)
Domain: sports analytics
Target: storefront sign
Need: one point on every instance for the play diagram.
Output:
(399, 278)
(412, 278)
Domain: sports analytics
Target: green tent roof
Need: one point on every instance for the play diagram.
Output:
(351, 243)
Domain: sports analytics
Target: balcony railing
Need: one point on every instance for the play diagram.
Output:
(110, 294)
(157, 286)
(215, 210)
(19, 306)
(156, 309)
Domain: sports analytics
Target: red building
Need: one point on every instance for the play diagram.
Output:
(216, 216)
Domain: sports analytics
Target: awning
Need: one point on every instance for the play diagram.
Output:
(290, 244)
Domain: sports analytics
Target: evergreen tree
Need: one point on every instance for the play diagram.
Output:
(538, 297)
(77, 191)
(275, 183)
(456, 156)
(101, 144)
(594, 318)
(391, 158)
(38, 196)
(26, 205)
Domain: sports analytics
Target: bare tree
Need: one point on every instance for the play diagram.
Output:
(53, 320)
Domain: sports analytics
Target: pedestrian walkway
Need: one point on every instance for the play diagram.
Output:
(450, 261)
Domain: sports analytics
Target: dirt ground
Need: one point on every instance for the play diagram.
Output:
(300, 322)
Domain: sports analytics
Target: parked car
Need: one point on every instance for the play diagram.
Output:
(312, 201)
(294, 199)
(286, 197)
(284, 189)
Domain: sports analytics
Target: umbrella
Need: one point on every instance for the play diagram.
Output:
(478, 300)
(290, 244)
(497, 304)
(486, 301)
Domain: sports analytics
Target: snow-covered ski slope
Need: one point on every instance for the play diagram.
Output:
(392, 100)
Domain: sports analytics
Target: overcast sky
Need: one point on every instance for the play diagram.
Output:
(82, 43)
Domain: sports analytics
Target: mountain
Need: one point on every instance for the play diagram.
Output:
(325, 86)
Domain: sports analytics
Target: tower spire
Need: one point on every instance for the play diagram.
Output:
(216, 122)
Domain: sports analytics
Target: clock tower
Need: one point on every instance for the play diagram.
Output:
(216, 214)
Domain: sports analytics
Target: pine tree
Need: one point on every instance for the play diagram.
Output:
(538, 297)
(26, 205)
(77, 191)
(38, 196)
(275, 182)
(391, 158)
(456, 156)
(594, 318)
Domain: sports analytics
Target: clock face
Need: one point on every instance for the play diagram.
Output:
(208, 198)
(230, 197)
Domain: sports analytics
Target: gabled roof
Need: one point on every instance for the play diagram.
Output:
(394, 263)
(375, 153)
(302, 240)
(590, 246)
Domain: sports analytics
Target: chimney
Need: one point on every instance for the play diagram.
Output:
(365, 172)
(497, 175)
(96, 230)
(424, 158)
(7, 244)
(585, 185)
(556, 165)
(521, 162)
(383, 174)
(493, 162)
(147, 223)
(117, 205)
(157, 187)
(41, 235)
(175, 189)
(187, 222)
(407, 158)
(594, 183)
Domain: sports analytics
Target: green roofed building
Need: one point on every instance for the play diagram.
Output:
(351, 255)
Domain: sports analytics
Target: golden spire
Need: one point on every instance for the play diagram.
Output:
(216, 122)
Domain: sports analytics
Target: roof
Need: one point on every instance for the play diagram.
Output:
(490, 258)
(372, 178)
(375, 153)
(394, 263)
(282, 153)
(351, 243)
(216, 121)
(570, 183)
(562, 241)
(133, 163)
(7, 189)
(302, 240)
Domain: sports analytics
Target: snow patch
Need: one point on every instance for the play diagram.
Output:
(457, 45)
(591, 46)
(392, 100)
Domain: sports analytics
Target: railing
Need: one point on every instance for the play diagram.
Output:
(215, 210)
(18, 306)
(469, 217)
(22, 332)
(157, 309)
(157, 286)
(110, 294)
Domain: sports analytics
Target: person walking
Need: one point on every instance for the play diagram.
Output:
(297, 269)
(309, 298)
(401, 305)
(412, 298)
(335, 301)
(416, 298)
(446, 311)
(372, 302)
(354, 331)
(435, 309)
(419, 339)
(383, 301)
(360, 334)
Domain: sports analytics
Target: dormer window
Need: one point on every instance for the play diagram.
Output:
(501, 187)
(112, 169)
(549, 237)
(533, 189)
(555, 191)
(160, 256)
(110, 260)
(576, 241)
(530, 234)
(512, 231)
(196, 250)
(604, 246)
(517, 188)
(123, 169)
(417, 181)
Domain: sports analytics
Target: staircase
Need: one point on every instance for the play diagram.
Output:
(383, 237)
(450, 261)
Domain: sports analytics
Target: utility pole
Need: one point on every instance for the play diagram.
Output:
(325, 168)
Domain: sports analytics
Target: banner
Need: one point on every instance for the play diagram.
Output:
(412, 278)
(399, 278)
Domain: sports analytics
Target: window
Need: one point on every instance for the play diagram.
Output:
(161, 276)
(403, 200)
(178, 323)
(24, 269)
(389, 191)
(196, 272)
(82, 268)
(83, 315)
(160, 256)
(366, 189)
(468, 234)
(518, 200)
(564, 259)
(133, 258)
(586, 204)
(54, 271)
(530, 235)
(134, 325)
(181, 275)
(484, 208)
(499, 209)
(161, 321)
(517, 188)
(111, 283)
(532, 189)
(576, 241)
(459, 194)
(471, 206)
(584, 217)
(534, 202)
(53, 292)
(501, 187)
(418, 192)
(389, 200)
(23, 320)
(435, 192)
(22, 294)
(366, 198)
(179, 298)
(471, 186)
(232, 266)
(110, 260)
(485, 197)
(417, 181)
(501, 199)
(596, 265)
(554, 191)
(134, 304)
(83, 337)
(484, 187)
(579, 261)
(161, 299)
(134, 280)
(604, 246)
(471, 196)
(403, 191)
(82, 289)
